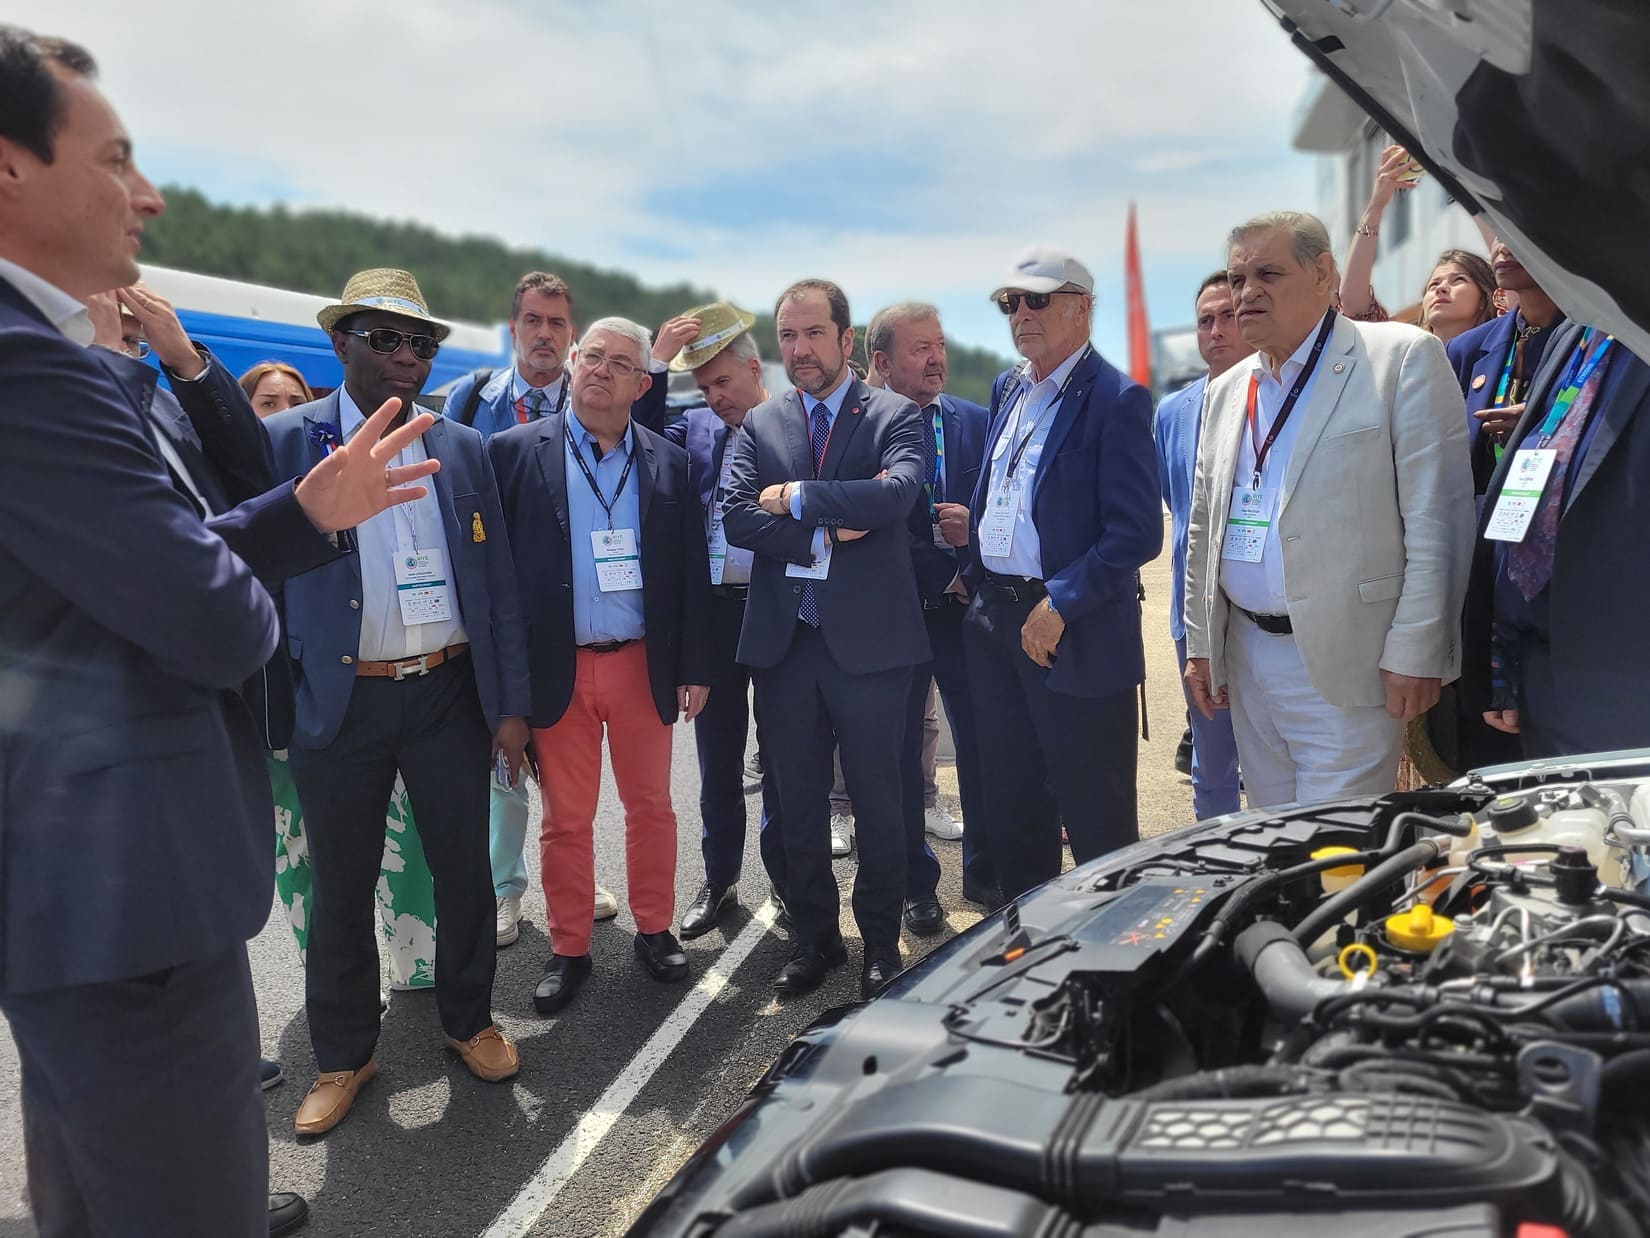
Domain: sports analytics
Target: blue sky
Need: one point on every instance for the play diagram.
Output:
(907, 148)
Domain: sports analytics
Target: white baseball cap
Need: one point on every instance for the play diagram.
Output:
(1043, 268)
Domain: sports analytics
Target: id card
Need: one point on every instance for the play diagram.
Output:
(939, 538)
(718, 543)
(1521, 494)
(421, 587)
(618, 566)
(1247, 522)
(997, 529)
(819, 569)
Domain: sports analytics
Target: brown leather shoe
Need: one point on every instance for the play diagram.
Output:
(330, 1097)
(489, 1055)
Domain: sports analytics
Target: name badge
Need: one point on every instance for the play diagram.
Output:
(939, 538)
(1002, 512)
(718, 542)
(618, 566)
(819, 569)
(421, 587)
(1248, 521)
(1521, 495)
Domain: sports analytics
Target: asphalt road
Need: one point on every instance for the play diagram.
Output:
(614, 1093)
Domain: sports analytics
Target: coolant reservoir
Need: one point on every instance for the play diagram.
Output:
(1336, 879)
(1512, 820)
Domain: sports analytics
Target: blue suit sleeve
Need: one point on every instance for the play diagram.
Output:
(1161, 429)
(872, 503)
(231, 437)
(509, 624)
(746, 524)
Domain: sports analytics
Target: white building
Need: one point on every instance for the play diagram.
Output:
(1418, 224)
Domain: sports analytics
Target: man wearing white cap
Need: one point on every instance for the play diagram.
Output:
(1065, 513)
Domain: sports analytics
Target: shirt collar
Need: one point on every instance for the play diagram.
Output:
(1297, 359)
(519, 387)
(1060, 372)
(59, 308)
(581, 435)
(835, 399)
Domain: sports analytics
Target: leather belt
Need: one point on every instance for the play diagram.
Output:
(1014, 588)
(1273, 625)
(607, 646)
(945, 603)
(737, 592)
(401, 668)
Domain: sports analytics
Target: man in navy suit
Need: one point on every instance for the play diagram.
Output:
(408, 656)
(906, 345)
(714, 342)
(127, 626)
(1065, 513)
(1176, 429)
(823, 481)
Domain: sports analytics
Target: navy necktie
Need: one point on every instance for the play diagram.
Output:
(819, 432)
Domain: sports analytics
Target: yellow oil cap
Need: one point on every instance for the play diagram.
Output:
(1418, 929)
(1344, 872)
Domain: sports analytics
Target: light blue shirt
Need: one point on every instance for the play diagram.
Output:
(1036, 408)
(833, 407)
(599, 616)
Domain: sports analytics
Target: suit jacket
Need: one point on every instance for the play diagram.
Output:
(131, 781)
(530, 462)
(1600, 590)
(704, 436)
(963, 425)
(322, 608)
(1477, 357)
(1175, 432)
(1375, 515)
(1098, 521)
(868, 607)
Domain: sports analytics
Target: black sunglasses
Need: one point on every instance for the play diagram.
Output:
(387, 339)
(1009, 302)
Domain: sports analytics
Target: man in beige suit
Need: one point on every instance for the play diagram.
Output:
(1331, 528)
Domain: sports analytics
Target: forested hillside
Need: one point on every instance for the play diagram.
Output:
(463, 277)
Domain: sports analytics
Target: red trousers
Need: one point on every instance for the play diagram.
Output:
(610, 690)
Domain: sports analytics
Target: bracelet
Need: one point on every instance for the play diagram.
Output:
(1363, 230)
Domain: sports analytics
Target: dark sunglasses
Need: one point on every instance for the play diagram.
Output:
(387, 339)
(1009, 302)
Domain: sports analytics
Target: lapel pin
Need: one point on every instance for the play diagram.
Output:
(1338, 367)
(477, 533)
(1479, 381)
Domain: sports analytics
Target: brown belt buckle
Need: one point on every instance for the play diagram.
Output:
(403, 669)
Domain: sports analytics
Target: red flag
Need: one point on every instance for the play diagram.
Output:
(1140, 337)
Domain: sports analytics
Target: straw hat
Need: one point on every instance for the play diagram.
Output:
(719, 325)
(386, 289)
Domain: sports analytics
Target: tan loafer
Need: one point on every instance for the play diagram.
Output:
(330, 1098)
(489, 1055)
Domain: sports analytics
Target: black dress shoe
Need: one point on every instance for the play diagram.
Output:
(562, 979)
(286, 1213)
(882, 964)
(924, 917)
(662, 955)
(1183, 754)
(991, 897)
(808, 966)
(707, 908)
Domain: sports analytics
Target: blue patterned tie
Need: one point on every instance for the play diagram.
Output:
(931, 456)
(819, 431)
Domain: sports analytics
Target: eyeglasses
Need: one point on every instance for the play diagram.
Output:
(387, 339)
(617, 366)
(1009, 302)
(135, 347)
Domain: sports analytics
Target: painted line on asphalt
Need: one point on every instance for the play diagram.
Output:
(540, 1191)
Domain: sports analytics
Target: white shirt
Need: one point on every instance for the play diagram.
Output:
(1036, 409)
(1259, 587)
(417, 525)
(61, 310)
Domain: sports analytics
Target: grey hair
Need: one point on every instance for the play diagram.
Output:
(622, 326)
(743, 346)
(880, 338)
(1306, 232)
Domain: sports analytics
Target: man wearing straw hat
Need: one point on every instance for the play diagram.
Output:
(721, 354)
(409, 655)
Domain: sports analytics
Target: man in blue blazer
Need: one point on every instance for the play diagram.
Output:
(1065, 513)
(409, 655)
(127, 756)
(906, 345)
(1175, 430)
(823, 480)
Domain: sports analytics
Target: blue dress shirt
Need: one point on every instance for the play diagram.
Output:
(599, 616)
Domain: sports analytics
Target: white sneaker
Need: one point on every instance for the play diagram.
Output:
(842, 834)
(942, 824)
(509, 920)
(606, 905)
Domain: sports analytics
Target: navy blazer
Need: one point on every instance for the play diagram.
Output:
(530, 462)
(1099, 519)
(964, 426)
(1477, 357)
(868, 606)
(704, 436)
(323, 608)
(132, 784)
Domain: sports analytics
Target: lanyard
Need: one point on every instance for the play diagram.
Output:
(1580, 369)
(595, 489)
(1019, 451)
(1263, 449)
(561, 397)
(1512, 383)
(931, 485)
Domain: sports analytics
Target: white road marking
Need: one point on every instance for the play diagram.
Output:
(530, 1203)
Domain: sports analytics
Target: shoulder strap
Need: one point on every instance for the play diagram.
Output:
(472, 401)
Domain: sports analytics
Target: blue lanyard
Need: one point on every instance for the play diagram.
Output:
(1576, 374)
